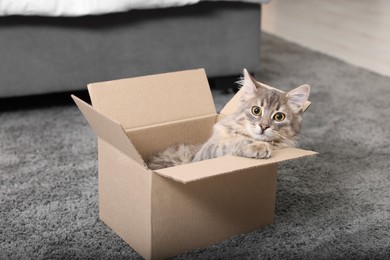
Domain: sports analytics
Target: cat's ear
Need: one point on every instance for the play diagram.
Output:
(248, 84)
(297, 97)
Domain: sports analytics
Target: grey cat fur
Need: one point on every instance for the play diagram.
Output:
(245, 133)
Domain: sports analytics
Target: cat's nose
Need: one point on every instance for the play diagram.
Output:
(264, 127)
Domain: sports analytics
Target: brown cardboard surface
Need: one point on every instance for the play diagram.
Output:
(231, 106)
(125, 197)
(150, 100)
(108, 130)
(209, 168)
(188, 216)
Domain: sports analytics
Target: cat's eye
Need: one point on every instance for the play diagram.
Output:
(279, 117)
(256, 110)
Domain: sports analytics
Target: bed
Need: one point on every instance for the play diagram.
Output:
(62, 45)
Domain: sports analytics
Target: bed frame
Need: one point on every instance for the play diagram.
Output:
(54, 54)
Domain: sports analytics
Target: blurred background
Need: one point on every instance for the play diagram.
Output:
(62, 46)
(354, 31)
(56, 48)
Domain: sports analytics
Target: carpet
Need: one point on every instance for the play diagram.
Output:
(333, 206)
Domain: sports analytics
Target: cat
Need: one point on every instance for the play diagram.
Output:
(266, 119)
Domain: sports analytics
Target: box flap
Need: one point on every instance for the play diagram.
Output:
(108, 130)
(155, 99)
(209, 168)
(231, 106)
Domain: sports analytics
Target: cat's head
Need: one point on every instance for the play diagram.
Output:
(271, 115)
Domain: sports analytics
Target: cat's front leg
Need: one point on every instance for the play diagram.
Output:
(238, 146)
(257, 149)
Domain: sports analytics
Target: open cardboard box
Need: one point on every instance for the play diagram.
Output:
(169, 211)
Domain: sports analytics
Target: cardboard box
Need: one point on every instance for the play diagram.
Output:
(166, 212)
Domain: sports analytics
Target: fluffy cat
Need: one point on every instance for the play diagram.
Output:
(265, 119)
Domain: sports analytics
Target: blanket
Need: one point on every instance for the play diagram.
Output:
(89, 7)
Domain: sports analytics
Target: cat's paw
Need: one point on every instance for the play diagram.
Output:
(259, 150)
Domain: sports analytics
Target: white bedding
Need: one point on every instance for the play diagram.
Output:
(88, 7)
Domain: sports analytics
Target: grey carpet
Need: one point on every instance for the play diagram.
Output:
(333, 206)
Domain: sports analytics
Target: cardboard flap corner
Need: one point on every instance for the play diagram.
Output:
(233, 103)
(108, 130)
(155, 99)
(227, 164)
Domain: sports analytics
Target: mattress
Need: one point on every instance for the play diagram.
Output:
(89, 7)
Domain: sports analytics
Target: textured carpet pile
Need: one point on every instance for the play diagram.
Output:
(333, 206)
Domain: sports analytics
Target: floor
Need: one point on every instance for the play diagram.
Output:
(356, 31)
